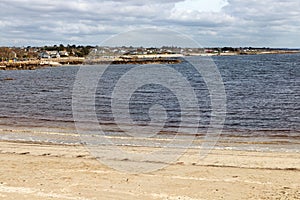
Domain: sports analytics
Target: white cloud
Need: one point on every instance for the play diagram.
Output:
(196, 18)
(201, 5)
(239, 23)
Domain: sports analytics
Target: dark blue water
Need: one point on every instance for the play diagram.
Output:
(263, 96)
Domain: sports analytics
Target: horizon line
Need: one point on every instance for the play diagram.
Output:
(86, 45)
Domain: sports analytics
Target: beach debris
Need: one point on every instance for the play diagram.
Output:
(7, 79)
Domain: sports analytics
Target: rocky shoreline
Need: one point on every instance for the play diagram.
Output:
(140, 61)
(36, 64)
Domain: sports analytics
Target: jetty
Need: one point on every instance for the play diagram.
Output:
(132, 61)
(39, 63)
(54, 62)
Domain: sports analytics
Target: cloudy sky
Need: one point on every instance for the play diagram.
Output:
(260, 23)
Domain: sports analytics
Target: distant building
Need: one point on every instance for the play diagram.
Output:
(44, 55)
(63, 54)
(54, 54)
(13, 54)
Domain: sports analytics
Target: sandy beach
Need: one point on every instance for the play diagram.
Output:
(48, 171)
(256, 157)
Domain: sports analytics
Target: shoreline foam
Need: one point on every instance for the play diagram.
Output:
(69, 136)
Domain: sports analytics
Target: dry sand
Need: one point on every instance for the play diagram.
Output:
(44, 171)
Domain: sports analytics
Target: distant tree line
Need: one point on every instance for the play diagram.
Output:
(79, 51)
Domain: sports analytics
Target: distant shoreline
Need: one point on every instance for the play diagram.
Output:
(131, 59)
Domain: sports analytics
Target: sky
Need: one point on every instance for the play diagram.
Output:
(214, 23)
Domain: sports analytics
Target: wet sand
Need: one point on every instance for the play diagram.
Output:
(48, 171)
